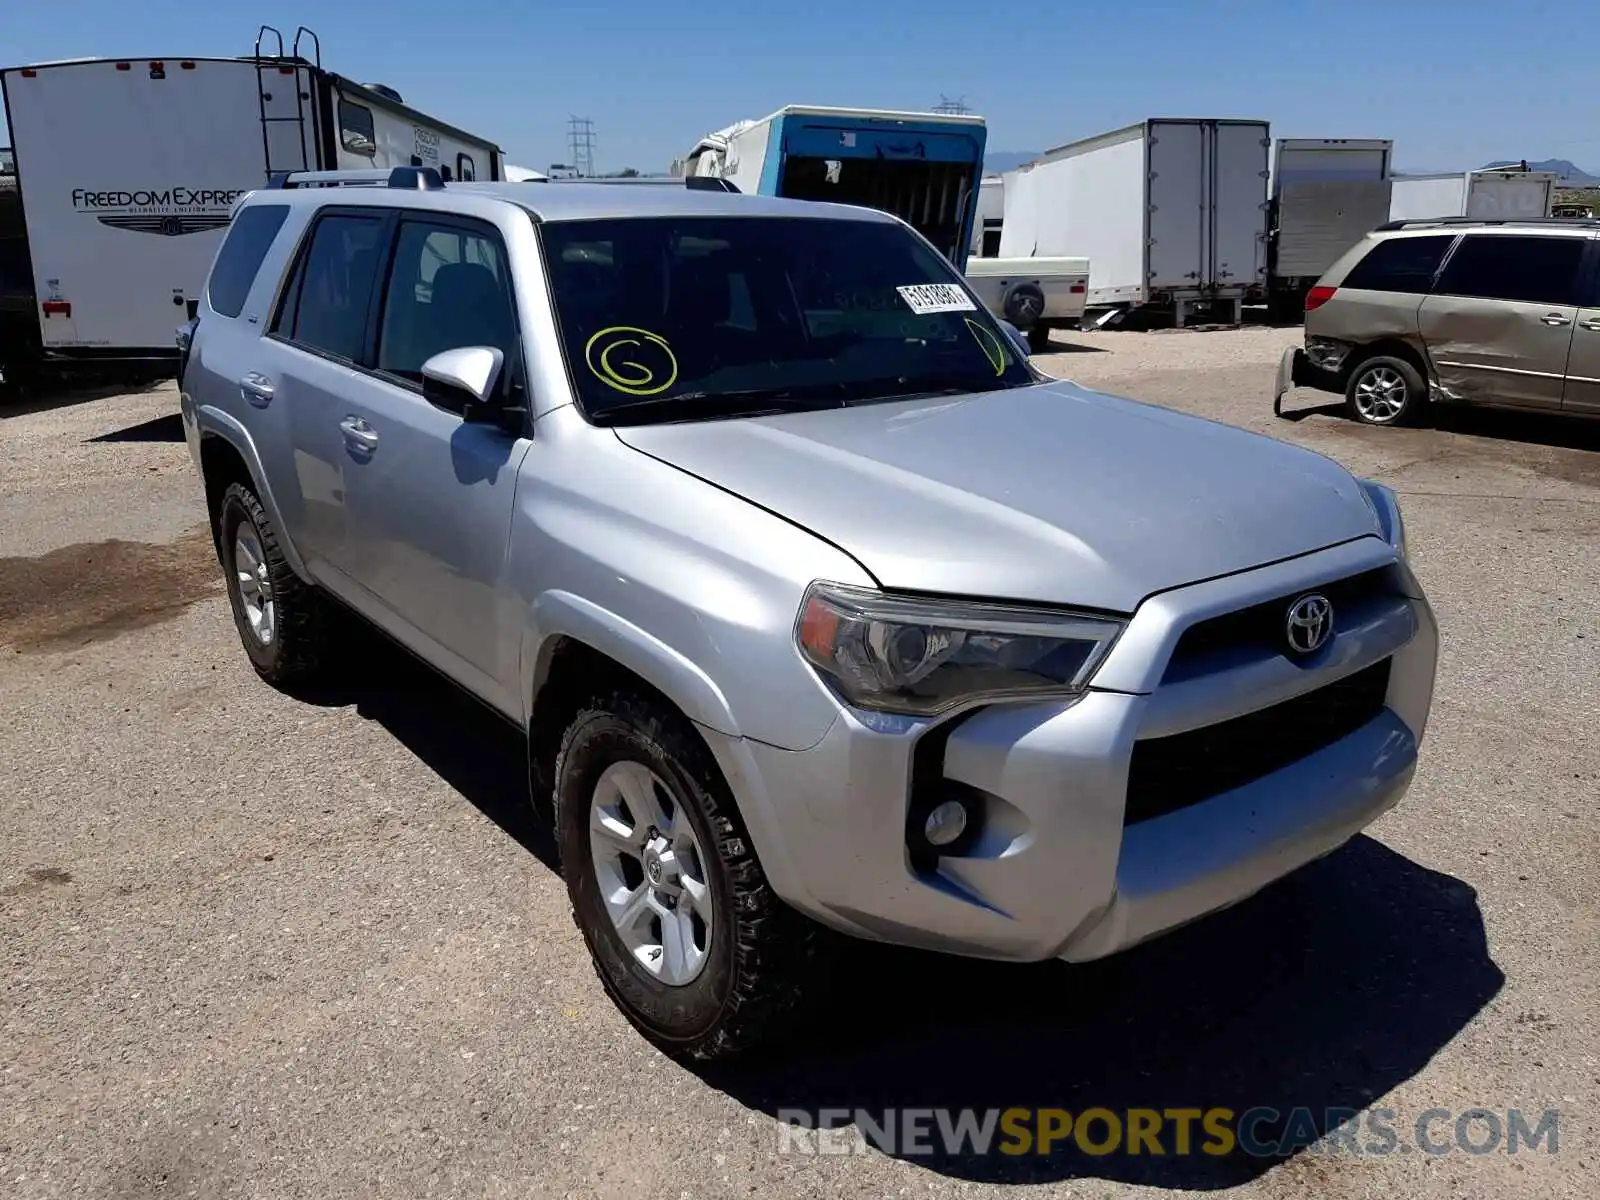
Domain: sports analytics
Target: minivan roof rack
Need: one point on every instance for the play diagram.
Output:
(695, 183)
(1435, 222)
(413, 179)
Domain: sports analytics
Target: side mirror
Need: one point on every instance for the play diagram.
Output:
(465, 381)
(1017, 340)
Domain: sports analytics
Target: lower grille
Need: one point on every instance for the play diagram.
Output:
(1174, 772)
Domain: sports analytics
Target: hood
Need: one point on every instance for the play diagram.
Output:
(1050, 493)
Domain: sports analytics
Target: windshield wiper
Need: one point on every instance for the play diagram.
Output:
(746, 402)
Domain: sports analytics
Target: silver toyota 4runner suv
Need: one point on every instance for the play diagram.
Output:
(818, 604)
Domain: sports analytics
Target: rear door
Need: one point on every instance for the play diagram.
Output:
(1178, 225)
(1582, 394)
(1239, 205)
(1500, 321)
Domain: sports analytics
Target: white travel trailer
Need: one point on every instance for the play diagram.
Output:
(128, 170)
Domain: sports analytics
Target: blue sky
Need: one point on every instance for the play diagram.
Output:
(1455, 85)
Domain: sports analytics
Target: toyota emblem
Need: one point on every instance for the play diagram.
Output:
(1309, 623)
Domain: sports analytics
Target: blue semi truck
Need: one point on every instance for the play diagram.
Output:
(923, 167)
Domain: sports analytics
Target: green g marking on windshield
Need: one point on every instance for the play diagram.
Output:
(630, 360)
(992, 349)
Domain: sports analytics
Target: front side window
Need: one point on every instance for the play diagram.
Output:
(1533, 270)
(448, 289)
(684, 317)
(1400, 264)
(326, 306)
(356, 131)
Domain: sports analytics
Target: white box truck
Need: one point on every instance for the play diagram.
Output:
(1481, 195)
(1327, 193)
(128, 170)
(1172, 212)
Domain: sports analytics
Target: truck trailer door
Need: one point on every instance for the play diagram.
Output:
(1238, 189)
(1177, 162)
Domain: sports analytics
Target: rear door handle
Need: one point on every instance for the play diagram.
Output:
(1591, 324)
(358, 435)
(1556, 319)
(256, 389)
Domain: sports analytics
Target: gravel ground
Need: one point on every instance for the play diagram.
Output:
(258, 946)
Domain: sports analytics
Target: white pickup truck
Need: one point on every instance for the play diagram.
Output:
(1034, 294)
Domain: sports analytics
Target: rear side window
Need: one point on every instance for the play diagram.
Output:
(1402, 264)
(327, 302)
(1533, 270)
(249, 238)
(356, 131)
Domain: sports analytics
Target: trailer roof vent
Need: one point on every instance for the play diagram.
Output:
(384, 90)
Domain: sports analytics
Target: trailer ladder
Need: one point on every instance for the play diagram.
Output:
(283, 66)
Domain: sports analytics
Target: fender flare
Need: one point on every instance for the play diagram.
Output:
(213, 422)
(557, 614)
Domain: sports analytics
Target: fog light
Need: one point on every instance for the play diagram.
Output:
(945, 824)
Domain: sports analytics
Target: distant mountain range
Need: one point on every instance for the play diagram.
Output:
(996, 161)
(1569, 171)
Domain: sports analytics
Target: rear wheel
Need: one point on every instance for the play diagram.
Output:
(282, 620)
(686, 935)
(1386, 390)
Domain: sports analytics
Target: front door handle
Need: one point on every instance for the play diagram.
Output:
(1592, 324)
(359, 435)
(1556, 319)
(256, 389)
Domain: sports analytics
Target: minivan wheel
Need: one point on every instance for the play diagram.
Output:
(686, 935)
(1385, 391)
(282, 621)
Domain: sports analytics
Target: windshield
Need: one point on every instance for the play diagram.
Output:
(678, 318)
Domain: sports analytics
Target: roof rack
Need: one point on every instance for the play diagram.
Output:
(1435, 222)
(413, 179)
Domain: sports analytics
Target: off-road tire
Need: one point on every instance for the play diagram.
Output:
(762, 952)
(1416, 390)
(301, 646)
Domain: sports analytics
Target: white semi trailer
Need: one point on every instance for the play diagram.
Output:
(128, 169)
(1483, 195)
(1172, 213)
(1327, 193)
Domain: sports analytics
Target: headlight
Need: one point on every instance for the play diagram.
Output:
(925, 657)
(1385, 506)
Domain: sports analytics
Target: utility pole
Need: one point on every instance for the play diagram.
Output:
(580, 139)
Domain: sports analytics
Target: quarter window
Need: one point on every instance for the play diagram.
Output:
(356, 130)
(448, 289)
(1401, 264)
(1532, 270)
(249, 238)
(326, 306)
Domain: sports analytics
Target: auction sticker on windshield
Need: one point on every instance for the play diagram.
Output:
(925, 298)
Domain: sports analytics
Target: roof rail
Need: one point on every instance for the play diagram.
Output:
(695, 183)
(1435, 222)
(414, 179)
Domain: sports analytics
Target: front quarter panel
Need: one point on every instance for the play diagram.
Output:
(691, 588)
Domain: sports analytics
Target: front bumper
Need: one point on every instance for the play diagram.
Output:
(1057, 872)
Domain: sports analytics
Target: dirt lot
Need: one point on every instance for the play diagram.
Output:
(256, 946)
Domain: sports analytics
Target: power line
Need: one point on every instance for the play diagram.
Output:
(581, 142)
(957, 107)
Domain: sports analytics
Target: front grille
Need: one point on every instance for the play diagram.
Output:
(1174, 772)
(1259, 629)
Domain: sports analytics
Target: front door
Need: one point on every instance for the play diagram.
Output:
(429, 496)
(1499, 323)
(1583, 364)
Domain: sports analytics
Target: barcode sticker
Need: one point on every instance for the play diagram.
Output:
(924, 298)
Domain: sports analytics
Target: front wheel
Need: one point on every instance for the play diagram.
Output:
(1386, 391)
(686, 935)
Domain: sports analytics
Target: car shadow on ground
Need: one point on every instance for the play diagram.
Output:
(470, 747)
(158, 429)
(1499, 424)
(1322, 993)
